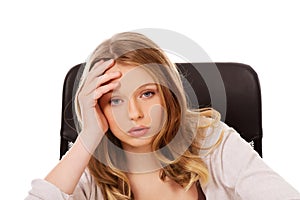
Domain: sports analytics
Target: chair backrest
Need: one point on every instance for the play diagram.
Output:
(243, 99)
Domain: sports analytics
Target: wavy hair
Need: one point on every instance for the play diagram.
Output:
(181, 163)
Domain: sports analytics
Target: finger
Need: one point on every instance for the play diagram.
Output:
(98, 63)
(105, 78)
(99, 92)
(98, 69)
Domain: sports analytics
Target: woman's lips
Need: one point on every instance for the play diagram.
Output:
(138, 131)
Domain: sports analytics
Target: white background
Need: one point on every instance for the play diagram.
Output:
(41, 41)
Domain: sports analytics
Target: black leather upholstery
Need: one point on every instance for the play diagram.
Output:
(243, 101)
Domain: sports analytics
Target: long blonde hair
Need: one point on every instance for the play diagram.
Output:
(136, 49)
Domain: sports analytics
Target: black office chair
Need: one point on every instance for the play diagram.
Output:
(243, 99)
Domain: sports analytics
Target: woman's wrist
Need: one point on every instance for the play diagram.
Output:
(89, 141)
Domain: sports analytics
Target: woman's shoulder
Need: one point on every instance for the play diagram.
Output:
(235, 167)
(222, 143)
(217, 136)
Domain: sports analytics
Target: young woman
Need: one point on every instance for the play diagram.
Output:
(139, 140)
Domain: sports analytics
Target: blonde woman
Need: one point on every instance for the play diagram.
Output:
(139, 140)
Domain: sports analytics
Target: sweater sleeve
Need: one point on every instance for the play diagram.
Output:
(42, 189)
(242, 173)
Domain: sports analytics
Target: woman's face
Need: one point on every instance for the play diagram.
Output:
(134, 110)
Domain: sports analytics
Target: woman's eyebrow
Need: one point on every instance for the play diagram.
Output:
(117, 92)
(147, 84)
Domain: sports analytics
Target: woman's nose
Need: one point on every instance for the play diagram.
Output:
(134, 110)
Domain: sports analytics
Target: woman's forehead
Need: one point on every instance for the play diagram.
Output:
(133, 77)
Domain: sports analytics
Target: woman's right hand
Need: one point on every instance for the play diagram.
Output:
(66, 174)
(94, 123)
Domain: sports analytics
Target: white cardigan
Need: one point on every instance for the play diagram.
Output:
(236, 172)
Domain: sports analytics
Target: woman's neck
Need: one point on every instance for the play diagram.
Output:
(140, 163)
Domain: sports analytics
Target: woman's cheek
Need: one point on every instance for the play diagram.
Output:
(120, 118)
(157, 114)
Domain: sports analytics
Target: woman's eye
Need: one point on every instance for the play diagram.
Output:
(115, 102)
(148, 94)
